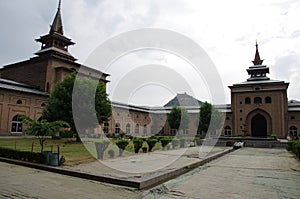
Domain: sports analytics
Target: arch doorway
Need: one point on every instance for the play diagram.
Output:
(259, 126)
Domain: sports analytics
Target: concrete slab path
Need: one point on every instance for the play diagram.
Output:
(22, 182)
(245, 173)
(146, 164)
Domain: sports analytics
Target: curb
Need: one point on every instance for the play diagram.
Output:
(143, 183)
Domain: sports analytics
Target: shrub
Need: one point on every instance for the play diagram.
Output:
(175, 143)
(66, 134)
(294, 146)
(182, 142)
(165, 141)
(138, 143)
(144, 149)
(274, 135)
(151, 143)
(122, 145)
(23, 155)
(100, 148)
(111, 153)
(129, 137)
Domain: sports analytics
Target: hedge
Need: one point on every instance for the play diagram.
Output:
(294, 146)
(165, 141)
(23, 155)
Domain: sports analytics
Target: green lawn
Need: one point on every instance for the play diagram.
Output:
(74, 153)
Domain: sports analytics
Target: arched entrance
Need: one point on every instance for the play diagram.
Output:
(259, 126)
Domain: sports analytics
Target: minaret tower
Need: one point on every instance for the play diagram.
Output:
(55, 43)
(258, 71)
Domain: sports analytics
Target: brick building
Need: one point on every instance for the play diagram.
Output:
(259, 106)
(25, 85)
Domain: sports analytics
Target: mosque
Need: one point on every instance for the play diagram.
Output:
(259, 105)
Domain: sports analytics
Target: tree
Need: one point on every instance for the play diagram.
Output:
(205, 116)
(210, 117)
(178, 118)
(59, 105)
(41, 129)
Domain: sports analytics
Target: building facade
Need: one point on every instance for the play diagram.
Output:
(25, 85)
(259, 106)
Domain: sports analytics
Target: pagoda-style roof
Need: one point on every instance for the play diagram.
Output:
(55, 42)
(258, 71)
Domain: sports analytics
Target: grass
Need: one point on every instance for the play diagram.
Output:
(74, 153)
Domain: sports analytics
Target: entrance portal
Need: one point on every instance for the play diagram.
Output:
(259, 126)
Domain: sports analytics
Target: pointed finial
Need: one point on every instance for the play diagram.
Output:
(257, 60)
(59, 4)
(57, 22)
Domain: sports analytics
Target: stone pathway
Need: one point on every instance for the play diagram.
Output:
(22, 182)
(245, 173)
(143, 165)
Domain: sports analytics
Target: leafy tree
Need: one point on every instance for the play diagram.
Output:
(59, 105)
(178, 117)
(42, 128)
(205, 116)
(210, 117)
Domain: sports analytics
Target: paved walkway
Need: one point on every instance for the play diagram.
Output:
(22, 182)
(147, 164)
(245, 173)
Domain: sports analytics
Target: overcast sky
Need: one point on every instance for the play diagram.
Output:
(226, 30)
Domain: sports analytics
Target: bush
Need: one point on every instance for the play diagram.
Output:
(165, 141)
(66, 134)
(23, 155)
(144, 149)
(100, 148)
(182, 142)
(111, 153)
(273, 135)
(129, 137)
(138, 143)
(122, 145)
(294, 146)
(175, 143)
(151, 143)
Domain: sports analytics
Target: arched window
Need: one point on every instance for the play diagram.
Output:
(268, 100)
(16, 124)
(247, 100)
(127, 129)
(19, 101)
(117, 128)
(227, 131)
(145, 129)
(257, 100)
(43, 104)
(137, 129)
(293, 132)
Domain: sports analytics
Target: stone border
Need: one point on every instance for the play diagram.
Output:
(142, 183)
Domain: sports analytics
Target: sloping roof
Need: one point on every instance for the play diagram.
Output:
(183, 100)
(17, 86)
